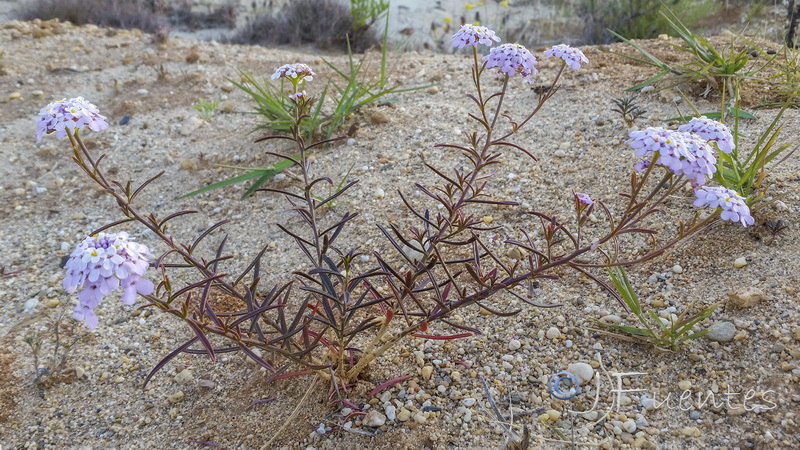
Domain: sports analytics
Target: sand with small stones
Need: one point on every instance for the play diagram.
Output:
(98, 402)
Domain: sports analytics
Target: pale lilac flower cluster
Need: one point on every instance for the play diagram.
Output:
(572, 56)
(72, 114)
(295, 72)
(711, 130)
(512, 59)
(681, 152)
(733, 205)
(471, 35)
(298, 95)
(101, 264)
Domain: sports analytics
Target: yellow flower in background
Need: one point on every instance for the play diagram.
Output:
(477, 23)
(448, 20)
(469, 6)
(479, 3)
(504, 4)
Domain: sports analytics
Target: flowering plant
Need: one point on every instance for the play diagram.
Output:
(309, 324)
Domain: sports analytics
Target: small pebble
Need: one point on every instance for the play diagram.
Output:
(677, 269)
(583, 371)
(391, 412)
(379, 117)
(684, 385)
(745, 297)
(740, 262)
(721, 332)
(514, 345)
(553, 333)
(374, 419)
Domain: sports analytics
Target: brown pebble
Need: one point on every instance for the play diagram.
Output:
(188, 164)
(379, 117)
(193, 57)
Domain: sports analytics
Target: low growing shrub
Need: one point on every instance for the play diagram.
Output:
(324, 23)
(145, 15)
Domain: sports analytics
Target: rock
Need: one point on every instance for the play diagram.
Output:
(374, 419)
(746, 297)
(677, 269)
(379, 117)
(469, 402)
(553, 333)
(391, 412)
(721, 332)
(184, 376)
(684, 385)
(190, 125)
(193, 57)
(514, 345)
(188, 164)
(433, 90)
(629, 426)
(786, 366)
(427, 371)
(176, 397)
(37, 93)
(404, 415)
(30, 304)
(740, 262)
(419, 417)
(611, 319)
(378, 193)
(142, 92)
(80, 372)
(206, 384)
(691, 431)
(583, 371)
(560, 153)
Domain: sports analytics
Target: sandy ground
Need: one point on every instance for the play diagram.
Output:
(98, 401)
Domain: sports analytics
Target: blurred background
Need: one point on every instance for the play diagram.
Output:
(423, 25)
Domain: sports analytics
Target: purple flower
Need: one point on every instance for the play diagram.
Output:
(72, 114)
(699, 161)
(682, 153)
(710, 130)
(584, 199)
(732, 204)
(298, 95)
(294, 72)
(472, 35)
(99, 266)
(572, 56)
(512, 59)
(642, 165)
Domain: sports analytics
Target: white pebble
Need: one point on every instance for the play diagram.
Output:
(740, 262)
(379, 193)
(553, 333)
(677, 269)
(391, 412)
(514, 345)
(351, 142)
(583, 371)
